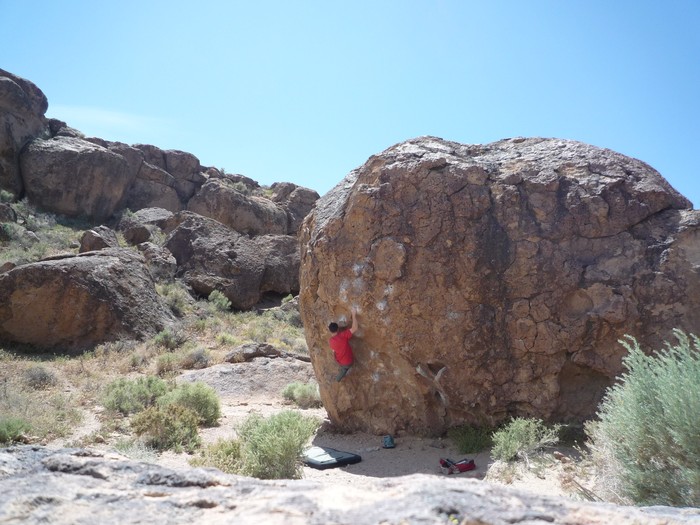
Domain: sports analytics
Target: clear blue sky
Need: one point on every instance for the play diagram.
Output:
(305, 91)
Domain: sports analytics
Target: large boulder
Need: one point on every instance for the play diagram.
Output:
(211, 257)
(167, 178)
(220, 200)
(74, 177)
(22, 108)
(76, 302)
(493, 281)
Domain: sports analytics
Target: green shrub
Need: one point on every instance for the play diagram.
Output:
(647, 436)
(470, 439)
(226, 339)
(521, 438)
(176, 297)
(11, 428)
(135, 449)
(6, 196)
(167, 427)
(129, 396)
(225, 455)
(39, 377)
(170, 339)
(166, 364)
(220, 301)
(305, 395)
(271, 448)
(195, 359)
(199, 397)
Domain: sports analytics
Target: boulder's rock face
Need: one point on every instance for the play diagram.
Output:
(160, 261)
(77, 302)
(98, 239)
(22, 108)
(212, 257)
(74, 177)
(492, 281)
(297, 201)
(85, 486)
(7, 214)
(219, 200)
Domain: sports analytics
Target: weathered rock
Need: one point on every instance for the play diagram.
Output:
(134, 231)
(22, 108)
(7, 214)
(79, 486)
(74, 177)
(59, 128)
(493, 281)
(250, 351)
(297, 201)
(153, 187)
(184, 177)
(160, 261)
(74, 303)
(219, 200)
(97, 239)
(212, 257)
(153, 217)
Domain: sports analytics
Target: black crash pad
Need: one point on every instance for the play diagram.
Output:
(325, 457)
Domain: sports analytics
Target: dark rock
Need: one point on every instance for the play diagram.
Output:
(97, 239)
(160, 261)
(74, 177)
(212, 257)
(22, 109)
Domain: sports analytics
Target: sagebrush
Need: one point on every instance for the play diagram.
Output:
(129, 396)
(305, 395)
(168, 427)
(198, 397)
(646, 440)
(523, 437)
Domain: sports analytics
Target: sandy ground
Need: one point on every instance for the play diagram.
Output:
(256, 387)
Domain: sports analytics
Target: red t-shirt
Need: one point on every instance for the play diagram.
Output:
(340, 344)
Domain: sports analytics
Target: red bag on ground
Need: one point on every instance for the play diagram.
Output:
(451, 467)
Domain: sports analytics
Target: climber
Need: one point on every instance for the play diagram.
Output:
(340, 344)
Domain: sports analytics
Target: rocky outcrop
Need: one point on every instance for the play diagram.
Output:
(63, 171)
(77, 302)
(98, 239)
(212, 257)
(80, 486)
(297, 201)
(73, 177)
(220, 200)
(22, 109)
(160, 261)
(493, 281)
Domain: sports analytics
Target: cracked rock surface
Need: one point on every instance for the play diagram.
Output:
(492, 280)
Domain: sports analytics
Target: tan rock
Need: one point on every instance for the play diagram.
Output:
(22, 109)
(74, 177)
(492, 281)
(219, 200)
(77, 302)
